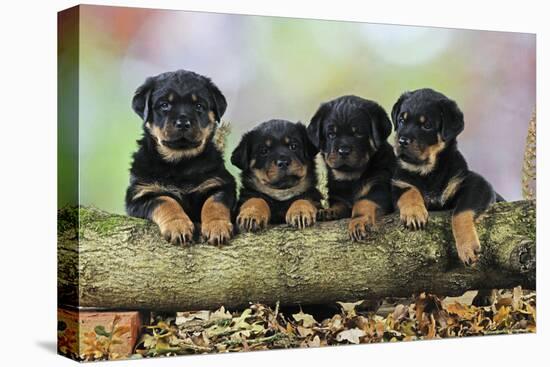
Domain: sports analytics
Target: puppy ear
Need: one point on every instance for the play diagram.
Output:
(315, 127)
(380, 124)
(310, 149)
(218, 100)
(452, 119)
(141, 103)
(397, 108)
(239, 157)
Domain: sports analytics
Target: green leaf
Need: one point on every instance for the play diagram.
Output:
(149, 341)
(100, 330)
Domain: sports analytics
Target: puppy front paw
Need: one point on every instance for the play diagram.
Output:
(301, 214)
(359, 227)
(252, 219)
(178, 231)
(217, 232)
(468, 252)
(466, 238)
(414, 216)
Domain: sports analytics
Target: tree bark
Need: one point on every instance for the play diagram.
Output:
(117, 262)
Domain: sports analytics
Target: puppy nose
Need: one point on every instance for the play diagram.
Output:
(403, 141)
(283, 162)
(344, 150)
(182, 123)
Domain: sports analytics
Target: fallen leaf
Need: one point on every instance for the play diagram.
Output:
(431, 328)
(351, 335)
(501, 315)
(349, 308)
(303, 332)
(408, 328)
(462, 311)
(316, 342)
(220, 314)
(306, 319)
(400, 312)
(505, 301)
(516, 297)
(335, 324)
(183, 317)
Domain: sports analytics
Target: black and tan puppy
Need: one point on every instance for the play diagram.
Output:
(278, 176)
(432, 174)
(351, 134)
(178, 175)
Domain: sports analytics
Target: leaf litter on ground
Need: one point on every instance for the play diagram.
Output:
(260, 327)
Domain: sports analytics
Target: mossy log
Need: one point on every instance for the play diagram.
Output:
(123, 263)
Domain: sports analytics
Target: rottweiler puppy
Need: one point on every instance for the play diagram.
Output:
(278, 176)
(351, 134)
(432, 174)
(178, 177)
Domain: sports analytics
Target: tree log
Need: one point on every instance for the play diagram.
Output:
(117, 262)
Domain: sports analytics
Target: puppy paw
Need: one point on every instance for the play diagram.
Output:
(359, 227)
(468, 252)
(330, 214)
(217, 232)
(301, 214)
(252, 219)
(414, 216)
(178, 231)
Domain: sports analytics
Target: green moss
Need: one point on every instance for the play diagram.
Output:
(67, 219)
(105, 223)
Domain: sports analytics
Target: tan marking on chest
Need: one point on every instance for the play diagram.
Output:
(345, 176)
(365, 189)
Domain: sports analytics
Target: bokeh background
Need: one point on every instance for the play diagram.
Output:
(284, 68)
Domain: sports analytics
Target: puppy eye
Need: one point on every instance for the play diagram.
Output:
(293, 146)
(427, 125)
(359, 134)
(164, 106)
(199, 107)
(401, 121)
(331, 135)
(264, 150)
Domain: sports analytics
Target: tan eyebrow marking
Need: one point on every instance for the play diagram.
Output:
(171, 97)
(405, 115)
(194, 97)
(268, 142)
(422, 119)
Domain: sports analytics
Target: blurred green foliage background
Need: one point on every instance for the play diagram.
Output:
(284, 68)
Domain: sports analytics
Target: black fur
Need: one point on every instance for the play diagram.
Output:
(253, 153)
(443, 118)
(351, 134)
(433, 173)
(194, 98)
